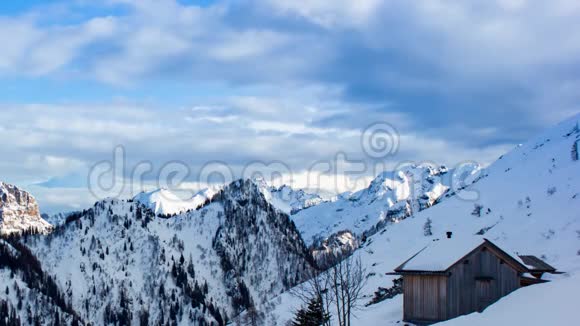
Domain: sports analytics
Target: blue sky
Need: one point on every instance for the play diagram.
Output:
(240, 81)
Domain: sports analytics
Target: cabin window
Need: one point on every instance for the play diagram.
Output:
(501, 261)
(466, 262)
(484, 249)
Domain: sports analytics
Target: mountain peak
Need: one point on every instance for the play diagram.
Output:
(285, 198)
(19, 211)
(166, 202)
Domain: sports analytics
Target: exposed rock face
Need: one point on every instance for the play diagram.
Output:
(19, 212)
(336, 246)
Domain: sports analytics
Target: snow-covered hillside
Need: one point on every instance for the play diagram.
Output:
(19, 211)
(529, 201)
(392, 195)
(29, 295)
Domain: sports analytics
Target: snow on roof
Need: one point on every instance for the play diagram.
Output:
(441, 254)
(536, 264)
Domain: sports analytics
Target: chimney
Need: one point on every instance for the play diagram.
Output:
(449, 234)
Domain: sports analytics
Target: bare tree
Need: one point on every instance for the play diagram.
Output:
(317, 286)
(347, 280)
(340, 287)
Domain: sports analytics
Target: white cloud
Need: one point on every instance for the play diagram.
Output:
(467, 38)
(306, 77)
(13, 48)
(247, 44)
(42, 50)
(329, 14)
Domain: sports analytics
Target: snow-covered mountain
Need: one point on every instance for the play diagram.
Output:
(391, 196)
(118, 261)
(528, 201)
(19, 212)
(165, 202)
(286, 199)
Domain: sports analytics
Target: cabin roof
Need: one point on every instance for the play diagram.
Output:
(535, 264)
(439, 256)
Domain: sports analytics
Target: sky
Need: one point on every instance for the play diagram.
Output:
(246, 85)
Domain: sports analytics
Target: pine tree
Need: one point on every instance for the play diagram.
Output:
(313, 315)
(56, 318)
(173, 270)
(190, 268)
(301, 318)
(427, 228)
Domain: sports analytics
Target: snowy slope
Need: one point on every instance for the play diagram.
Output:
(529, 202)
(19, 211)
(392, 195)
(28, 295)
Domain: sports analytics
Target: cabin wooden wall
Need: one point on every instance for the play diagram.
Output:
(482, 280)
(424, 298)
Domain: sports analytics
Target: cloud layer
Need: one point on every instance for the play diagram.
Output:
(272, 80)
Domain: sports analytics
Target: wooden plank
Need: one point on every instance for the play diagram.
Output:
(424, 297)
(466, 295)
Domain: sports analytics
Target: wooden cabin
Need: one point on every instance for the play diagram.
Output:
(451, 278)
